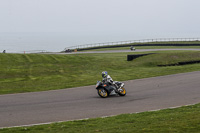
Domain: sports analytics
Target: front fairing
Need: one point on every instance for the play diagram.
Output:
(105, 85)
(98, 83)
(109, 87)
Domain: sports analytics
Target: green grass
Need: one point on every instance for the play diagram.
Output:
(182, 120)
(40, 72)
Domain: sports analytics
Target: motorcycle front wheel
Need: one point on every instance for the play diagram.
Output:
(122, 92)
(102, 93)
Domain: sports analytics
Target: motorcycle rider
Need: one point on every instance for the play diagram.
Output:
(107, 78)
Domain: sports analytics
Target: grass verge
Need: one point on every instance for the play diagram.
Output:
(184, 120)
(40, 72)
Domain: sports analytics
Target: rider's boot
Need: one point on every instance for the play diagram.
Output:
(117, 87)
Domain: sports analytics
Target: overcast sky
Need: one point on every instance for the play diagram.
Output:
(101, 16)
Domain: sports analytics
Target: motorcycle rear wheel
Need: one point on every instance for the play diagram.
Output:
(102, 93)
(122, 92)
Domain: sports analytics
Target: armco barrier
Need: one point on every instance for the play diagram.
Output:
(132, 57)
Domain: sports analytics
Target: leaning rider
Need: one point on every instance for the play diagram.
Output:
(107, 78)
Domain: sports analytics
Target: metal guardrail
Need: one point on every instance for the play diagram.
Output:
(132, 41)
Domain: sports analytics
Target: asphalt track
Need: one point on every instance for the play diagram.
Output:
(137, 50)
(129, 51)
(83, 102)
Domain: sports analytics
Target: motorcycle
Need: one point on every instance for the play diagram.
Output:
(132, 48)
(104, 89)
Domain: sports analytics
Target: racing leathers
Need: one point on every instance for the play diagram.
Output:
(110, 80)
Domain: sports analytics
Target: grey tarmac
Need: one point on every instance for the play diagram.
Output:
(129, 51)
(83, 102)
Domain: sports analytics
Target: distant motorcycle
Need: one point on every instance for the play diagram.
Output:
(132, 48)
(104, 89)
